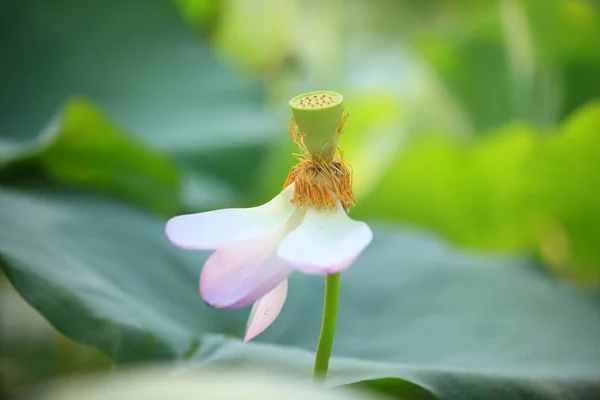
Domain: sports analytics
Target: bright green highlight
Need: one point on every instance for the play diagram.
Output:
(317, 115)
(330, 309)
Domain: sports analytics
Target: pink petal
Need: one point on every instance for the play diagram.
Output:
(238, 275)
(326, 242)
(262, 290)
(215, 229)
(265, 311)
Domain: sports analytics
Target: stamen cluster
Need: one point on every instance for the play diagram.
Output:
(320, 182)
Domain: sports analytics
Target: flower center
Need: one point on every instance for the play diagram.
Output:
(321, 185)
(320, 182)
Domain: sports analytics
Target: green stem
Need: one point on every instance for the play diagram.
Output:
(330, 308)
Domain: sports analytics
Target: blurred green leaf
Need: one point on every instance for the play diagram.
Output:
(569, 169)
(91, 152)
(201, 12)
(513, 189)
(502, 60)
(15, 150)
(82, 147)
(138, 63)
(456, 325)
(245, 32)
(135, 59)
(572, 59)
(466, 54)
(579, 19)
(469, 190)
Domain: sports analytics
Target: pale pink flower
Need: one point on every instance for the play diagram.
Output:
(258, 248)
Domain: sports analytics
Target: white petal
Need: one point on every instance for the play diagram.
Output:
(325, 242)
(238, 275)
(215, 229)
(265, 311)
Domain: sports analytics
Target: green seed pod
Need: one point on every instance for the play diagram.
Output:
(317, 115)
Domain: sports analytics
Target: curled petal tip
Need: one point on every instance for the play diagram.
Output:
(265, 311)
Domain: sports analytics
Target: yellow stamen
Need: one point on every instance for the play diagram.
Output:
(320, 183)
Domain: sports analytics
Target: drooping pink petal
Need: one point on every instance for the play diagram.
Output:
(265, 311)
(237, 275)
(325, 242)
(257, 293)
(215, 229)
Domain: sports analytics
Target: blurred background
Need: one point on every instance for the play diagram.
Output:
(478, 121)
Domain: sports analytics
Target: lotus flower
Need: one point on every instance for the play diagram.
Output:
(305, 228)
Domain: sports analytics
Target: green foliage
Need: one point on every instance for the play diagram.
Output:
(570, 174)
(90, 152)
(202, 13)
(515, 189)
(81, 147)
(172, 95)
